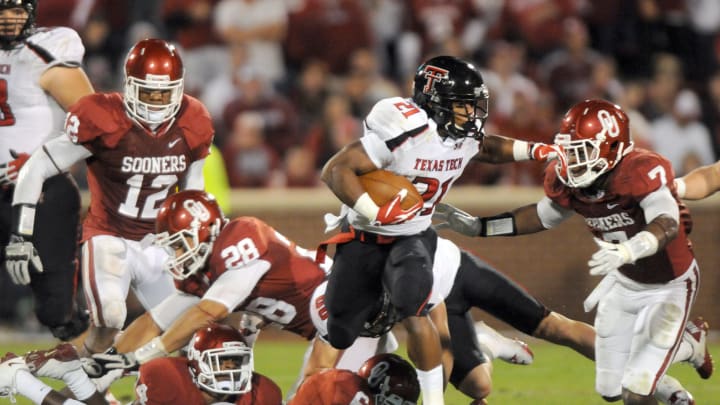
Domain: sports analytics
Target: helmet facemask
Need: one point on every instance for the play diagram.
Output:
(445, 113)
(150, 113)
(225, 370)
(14, 30)
(195, 252)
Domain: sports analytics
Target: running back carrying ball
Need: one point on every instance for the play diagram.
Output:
(383, 185)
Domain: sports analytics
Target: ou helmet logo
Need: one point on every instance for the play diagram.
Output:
(197, 210)
(610, 126)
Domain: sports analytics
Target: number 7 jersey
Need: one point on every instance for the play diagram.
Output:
(131, 171)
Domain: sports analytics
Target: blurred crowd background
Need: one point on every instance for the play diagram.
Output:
(288, 82)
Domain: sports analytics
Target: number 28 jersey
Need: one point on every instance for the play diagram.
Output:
(256, 269)
(132, 171)
(401, 138)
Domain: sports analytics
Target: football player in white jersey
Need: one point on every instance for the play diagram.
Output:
(40, 77)
(429, 138)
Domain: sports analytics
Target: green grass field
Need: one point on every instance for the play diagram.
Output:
(558, 376)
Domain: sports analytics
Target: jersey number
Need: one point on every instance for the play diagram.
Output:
(129, 207)
(7, 118)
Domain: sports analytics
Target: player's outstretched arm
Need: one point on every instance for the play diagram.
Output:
(699, 183)
(520, 221)
(499, 149)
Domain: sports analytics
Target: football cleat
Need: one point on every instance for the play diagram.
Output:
(696, 335)
(9, 367)
(54, 363)
(682, 398)
(523, 355)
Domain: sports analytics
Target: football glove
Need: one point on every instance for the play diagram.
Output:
(612, 256)
(457, 220)
(9, 170)
(20, 257)
(389, 213)
(116, 361)
(543, 152)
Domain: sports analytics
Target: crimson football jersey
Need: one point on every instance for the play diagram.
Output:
(616, 215)
(132, 170)
(167, 380)
(282, 295)
(334, 387)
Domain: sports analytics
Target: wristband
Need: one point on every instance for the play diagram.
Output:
(643, 244)
(151, 350)
(680, 187)
(521, 150)
(499, 225)
(23, 220)
(366, 207)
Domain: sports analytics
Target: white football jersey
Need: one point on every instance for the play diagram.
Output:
(28, 115)
(401, 138)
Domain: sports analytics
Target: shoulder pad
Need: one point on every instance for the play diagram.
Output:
(641, 172)
(393, 116)
(96, 114)
(62, 45)
(195, 119)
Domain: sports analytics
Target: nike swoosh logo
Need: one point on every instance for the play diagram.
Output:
(611, 206)
(173, 143)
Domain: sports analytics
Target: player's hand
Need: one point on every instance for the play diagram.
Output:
(457, 220)
(117, 361)
(393, 213)
(543, 152)
(20, 257)
(9, 170)
(611, 256)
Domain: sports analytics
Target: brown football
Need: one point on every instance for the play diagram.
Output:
(383, 185)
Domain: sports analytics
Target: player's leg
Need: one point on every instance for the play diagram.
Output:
(497, 346)
(353, 289)
(561, 330)
(106, 281)
(56, 238)
(408, 278)
(471, 368)
(16, 378)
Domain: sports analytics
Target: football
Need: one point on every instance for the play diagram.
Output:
(383, 185)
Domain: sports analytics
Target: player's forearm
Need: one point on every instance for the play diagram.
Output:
(699, 183)
(178, 335)
(140, 331)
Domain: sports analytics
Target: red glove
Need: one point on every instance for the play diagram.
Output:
(543, 152)
(393, 213)
(9, 170)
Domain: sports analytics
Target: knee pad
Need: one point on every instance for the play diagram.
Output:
(113, 315)
(339, 336)
(663, 324)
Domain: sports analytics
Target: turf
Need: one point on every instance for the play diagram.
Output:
(558, 376)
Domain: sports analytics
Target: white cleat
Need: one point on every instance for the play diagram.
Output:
(682, 398)
(696, 335)
(498, 346)
(9, 367)
(54, 363)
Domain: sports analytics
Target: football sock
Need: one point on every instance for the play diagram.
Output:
(29, 386)
(431, 386)
(80, 384)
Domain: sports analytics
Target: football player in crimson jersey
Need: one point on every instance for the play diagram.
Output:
(334, 387)
(41, 76)
(429, 138)
(392, 379)
(218, 368)
(139, 147)
(629, 203)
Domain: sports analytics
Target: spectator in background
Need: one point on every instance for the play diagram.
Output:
(299, 169)
(225, 87)
(667, 79)
(337, 128)
(632, 99)
(505, 80)
(681, 137)
(250, 161)
(364, 85)
(259, 26)
(189, 23)
(603, 81)
(317, 22)
(711, 109)
(566, 70)
(309, 92)
(271, 110)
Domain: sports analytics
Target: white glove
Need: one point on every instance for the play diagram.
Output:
(19, 255)
(612, 256)
(457, 220)
(118, 361)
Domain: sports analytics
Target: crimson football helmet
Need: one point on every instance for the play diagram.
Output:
(594, 135)
(392, 379)
(153, 65)
(220, 361)
(186, 226)
(443, 81)
(9, 26)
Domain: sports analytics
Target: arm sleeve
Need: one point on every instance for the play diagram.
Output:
(194, 179)
(56, 156)
(660, 202)
(235, 285)
(551, 214)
